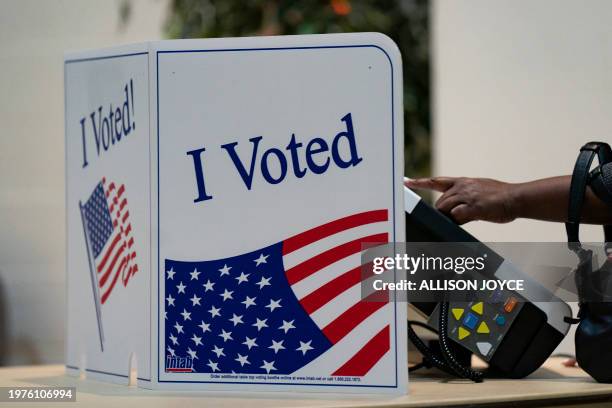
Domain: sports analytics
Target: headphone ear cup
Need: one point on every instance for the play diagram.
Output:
(601, 182)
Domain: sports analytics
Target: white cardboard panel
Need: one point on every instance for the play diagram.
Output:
(261, 100)
(94, 82)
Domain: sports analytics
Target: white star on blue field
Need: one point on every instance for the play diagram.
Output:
(238, 315)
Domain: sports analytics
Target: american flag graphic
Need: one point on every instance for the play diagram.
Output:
(281, 309)
(108, 233)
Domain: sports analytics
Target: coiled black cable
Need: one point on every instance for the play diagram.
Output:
(449, 357)
(430, 358)
(447, 362)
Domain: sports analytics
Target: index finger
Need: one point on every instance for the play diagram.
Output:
(440, 184)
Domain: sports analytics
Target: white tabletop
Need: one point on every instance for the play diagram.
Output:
(552, 384)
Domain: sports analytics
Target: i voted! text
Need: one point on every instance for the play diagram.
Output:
(108, 126)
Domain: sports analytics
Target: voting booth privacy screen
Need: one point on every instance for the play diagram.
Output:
(219, 193)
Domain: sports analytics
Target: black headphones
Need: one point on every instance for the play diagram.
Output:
(600, 181)
(597, 179)
(594, 333)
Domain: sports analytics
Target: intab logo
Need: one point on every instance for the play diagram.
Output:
(176, 364)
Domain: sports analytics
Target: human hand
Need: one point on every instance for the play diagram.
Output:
(469, 199)
(570, 362)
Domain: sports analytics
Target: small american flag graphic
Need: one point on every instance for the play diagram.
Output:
(109, 241)
(280, 309)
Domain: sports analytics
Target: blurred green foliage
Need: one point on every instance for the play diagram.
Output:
(405, 21)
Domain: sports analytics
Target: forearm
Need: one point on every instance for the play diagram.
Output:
(547, 199)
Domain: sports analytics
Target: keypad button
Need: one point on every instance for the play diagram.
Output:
(500, 320)
(457, 312)
(510, 304)
(483, 328)
(484, 347)
(470, 321)
(497, 296)
(463, 333)
(478, 307)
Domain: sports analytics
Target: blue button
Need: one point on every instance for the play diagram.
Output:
(500, 320)
(497, 296)
(470, 321)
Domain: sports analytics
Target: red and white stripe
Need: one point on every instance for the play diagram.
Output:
(323, 267)
(117, 259)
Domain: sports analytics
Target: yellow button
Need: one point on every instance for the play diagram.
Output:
(463, 333)
(457, 312)
(477, 307)
(483, 328)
